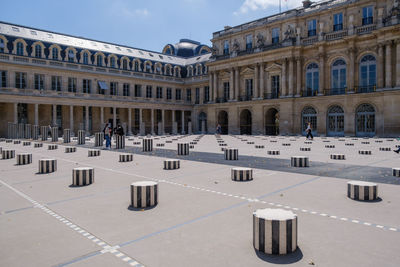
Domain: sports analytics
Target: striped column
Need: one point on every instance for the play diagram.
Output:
(26, 143)
(67, 136)
(98, 139)
(8, 154)
(24, 158)
(359, 190)
(35, 132)
(305, 148)
(274, 231)
(16, 142)
(21, 130)
(365, 152)
(147, 144)
(338, 156)
(70, 149)
(44, 132)
(81, 137)
(144, 194)
(273, 152)
(93, 152)
(396, 172)
(47, 165)
(241, 174)
(82, 176)
(286, 144)
(329, 146)
(259, 146)
(28, 131)
(9, 140)
(171, 164)
(54, 134)
(231, 154)
(37, 145)
(52, 147)
(120, 141)
(183, 149)
(250, 143)
(299, 161)
(125, 157)
(385, 149)
(349, 144)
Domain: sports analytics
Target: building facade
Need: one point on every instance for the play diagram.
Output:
(335, 64)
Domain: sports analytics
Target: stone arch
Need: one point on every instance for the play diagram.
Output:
(271, 121)
(245, 122)
(24, 45)
(58, 52)
(223, 120)
(5, 42)
(33, 46)
(82, 55)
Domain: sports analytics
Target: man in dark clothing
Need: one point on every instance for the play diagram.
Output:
(119, 130)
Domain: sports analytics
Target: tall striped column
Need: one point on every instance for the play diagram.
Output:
(47, 165)
(120, 141)
(7, 154)
(98, 139)
(28, 131)
(35, 132)
(82, 176)
(44, 132)
(144, 194)
(21, 130)
(147, 145)
(81, 137)
(183, 149)
(54, 134)
(67, 136)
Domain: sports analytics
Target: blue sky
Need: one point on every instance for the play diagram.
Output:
(146, 24)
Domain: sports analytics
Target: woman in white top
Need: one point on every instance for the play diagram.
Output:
(309, 130)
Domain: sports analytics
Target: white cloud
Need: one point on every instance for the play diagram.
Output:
(127, 11)
(253, 5)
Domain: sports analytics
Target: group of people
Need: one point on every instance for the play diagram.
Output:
(109, 131)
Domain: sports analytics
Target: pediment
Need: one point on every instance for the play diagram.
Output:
(247, 70)
(274, 67)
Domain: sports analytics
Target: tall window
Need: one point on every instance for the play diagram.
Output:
(312, 79)
(312, 27)
(178, 94)
(226, 91)
(367, 72)
(197, 100)
(112, 62)
(189, 95)
(275, 35)
(1, 45)
(3, 78)
(56, 83)
(249, 42)
(309, 115)
(20, 49)
(365, 120)
(71, 84)
(99, 60)
(169, 93)
(38, 51)
(159, 93)
(138, 90)
(126, 89)
(125, 64)
(167, 70)
(206, 94)
(39, 81)
(54, 53)
(86, 86)
(338, 22)
(85, 58)
(368, 15)
(249, 88)
(113, 88)
(20, 80)
(275, 85)
(148, 68)
(149, 91)
(338, 76)
(226, 47)
(71, 56)
(136, 66)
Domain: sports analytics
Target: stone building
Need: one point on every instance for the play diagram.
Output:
(335, 64)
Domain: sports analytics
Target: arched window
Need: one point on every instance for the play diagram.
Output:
(338, 77)
(168, 70)
(125, 64)
(1, 45)
(54, 53)
(312, 79)
(85, 58)
(168, 51)
(71, 56)
(335, 123)
(148, 67)
(136, 65)
(365, 120)
(20, 49)
(309, 115)
(112, 62)
(38, 51)
(177, 70)
(367, 73)
(99, 60)
(158, 69)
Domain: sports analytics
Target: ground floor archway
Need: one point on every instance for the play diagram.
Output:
(271, 122)
(245, 122)
(223, 120)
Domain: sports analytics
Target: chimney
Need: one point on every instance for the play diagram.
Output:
(307, 3)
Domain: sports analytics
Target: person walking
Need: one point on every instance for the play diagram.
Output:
(107, 135)
(309, 132)
(219, 131)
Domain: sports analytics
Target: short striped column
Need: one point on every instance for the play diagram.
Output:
(47, 165)
(21, 130)
(385, 149)
(308, 142)
(231, 154)
(28, 131)
(93, 152)
(44, 132)
(67, 136)
(250, 143)
(98, 139)
(82, 176)
(241, 174)
(9, 140)
(37, 145)
(305, 148)
(274, 231)
(147, 144)
(24, 158)
(8, 154)
(81, 137)
(17, 142)
(54, 134)
(299, 161)
(183, 149)
(349, 144)
(144, 194)
(26, 143)
(273, 152)
(70, 149)
(329, 146)
(286, 144)
(171, 164)
(359, 190)
(35, 132)
(365, 143)
(338, 156)
(364, 152)
(120, 141)
(259, 146)
(125, 157)
(396, 172)
(52, 147)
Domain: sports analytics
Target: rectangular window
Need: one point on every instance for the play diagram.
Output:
(138, 90)
(169, 93)
(102, 87)
(72, 84)
(86, 86)
(113, 88)
(1, 46)
(39, 81)
(136, 66)
(197, 96)
(149, 91)
(368, 16)
(20, 80)
(249, 89)
(226, 91)
(338, 22)
(226, 47)
(312, 27)
(275, 35)
(56, 83)
(3, 78)
(249, 42)
(189, 95)
(206, 94)
(126, 90)
(178, 94)
(159, 93)
(275, 86)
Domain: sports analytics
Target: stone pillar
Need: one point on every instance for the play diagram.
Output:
(129, 132)
(87, 120)
(211, 86)
(380, 67)
(299, 76)
(183, 122)
(321, 88)
(261, 94)
(388, 65)
(269, 86)
(54, 119)
(152, 121)
(291, 77)
(283, 79)
(101, 118)
(351, 72)
(174, 125)
(232, 85)
(141, 128)
(36, 114)
(71, 118)
(237, 83)
(256, 82)
(162, 121)
(15, 112)
(114, 117)
(398, 63)
(215, 87)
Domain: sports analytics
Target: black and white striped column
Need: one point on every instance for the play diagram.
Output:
(26, 143)
(70, 149)
(299, 161)
(81, 137)
(241, 174)
(147, 144)
(183, 149)
(396, 172)
(94, 152)
(273, 152)
(305, 148)
(37, 145)
(8, 154)
(47, 165)
(44, 132)
(54, 134)
(24, 158)
(9, 140)
(120, 141)
(329, 146)
(82, 176)
(144, 194)
(171, 164)
(35, 132)
(259, 146)
(28, 131)
(274, 231)
(52, 147)
(67, 136)
(286, 144)
(338, 156)
(359, 190)
(98, 139)
(385, 149)
(17, 142)
(231, 154)
(127, 157)
(349, 144)
(364, 152)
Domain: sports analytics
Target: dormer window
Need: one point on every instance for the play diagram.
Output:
(20, 49)
(38, 51)
(112, 62)
(1, 45)
(54, 53)
(125, 64)
(85, 58)
(99, 60)
(71, 56)
(136, 66)
(226, 47)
